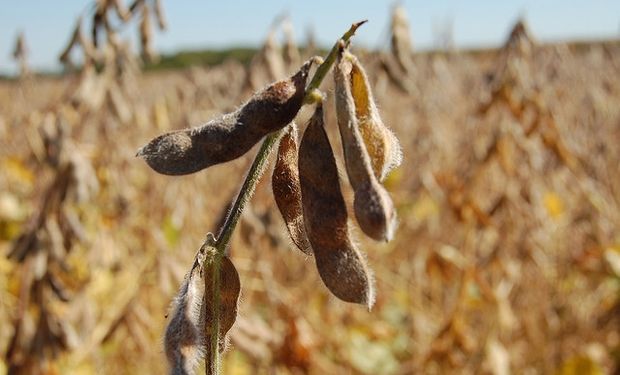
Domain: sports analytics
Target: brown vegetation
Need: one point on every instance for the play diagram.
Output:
(507, 256)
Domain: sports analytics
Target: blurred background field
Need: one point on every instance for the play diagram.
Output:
(507, 257)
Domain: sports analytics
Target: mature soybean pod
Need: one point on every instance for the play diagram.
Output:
(373, 207)
(287, 189)
(184, 340)
(187, 334)
(341, 266)
(231, 135)
(230, 289)
(381, 143)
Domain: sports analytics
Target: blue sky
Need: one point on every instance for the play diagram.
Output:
(197, 24)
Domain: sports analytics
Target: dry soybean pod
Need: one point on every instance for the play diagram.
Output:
(373, 207)
(341, 266)
(64, 55)
(160, 15)
(231, 135)
(146, 33)
(184, 339)
(382, 145)
(287, 190)
(230, 289)
(186, 335)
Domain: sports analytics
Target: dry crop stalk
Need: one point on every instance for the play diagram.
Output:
(292, 58)
(20, 53)
(401, 39)
(160, 15)
(40, 333)
(362, 288)
(258, 166)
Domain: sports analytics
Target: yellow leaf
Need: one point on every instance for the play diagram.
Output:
(612, 258)
(424, 208)
(172, 233)
(393, 179)
(554, 205)
(580, 365)
(15, 168)
(237, 364)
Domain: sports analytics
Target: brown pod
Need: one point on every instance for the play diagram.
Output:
(159, 14)
(146, 34)
(230, 289)
(373, 207)
(341, 266)
(382, 145)
(184, 340)
(287, 189)
(187, 335)
(231, 135)
(121, 10)
(64, 55)
(401, 40)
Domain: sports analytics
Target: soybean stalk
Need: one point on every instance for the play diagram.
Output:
(247, 189)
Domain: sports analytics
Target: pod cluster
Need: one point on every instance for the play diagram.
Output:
(306, 188)
(189, 328)
(306, 184)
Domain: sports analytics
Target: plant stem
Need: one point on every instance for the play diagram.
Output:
(247, 189)
(324, 68)
(249, 185)
(212, 366)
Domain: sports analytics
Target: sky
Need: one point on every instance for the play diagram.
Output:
(195, 24)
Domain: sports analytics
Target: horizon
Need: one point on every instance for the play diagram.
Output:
(197, 26)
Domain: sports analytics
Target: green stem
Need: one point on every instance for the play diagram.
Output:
(213, 352)
(324, 68)
(249, 185)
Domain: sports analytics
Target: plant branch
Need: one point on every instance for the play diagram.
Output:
(245, 193)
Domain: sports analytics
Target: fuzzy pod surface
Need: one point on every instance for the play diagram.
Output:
(372, 204)
(184, 340)
(382, 145)
(187, 333)
(231, 135)
(287, 188)
(230, 289)
(340, 264)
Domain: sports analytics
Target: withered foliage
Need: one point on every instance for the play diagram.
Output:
(506, 258)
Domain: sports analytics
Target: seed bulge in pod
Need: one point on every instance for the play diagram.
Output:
(231, 135)
(230, 289)
(341, 266)
(287, 190)
(373, 207)
(382, 145)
